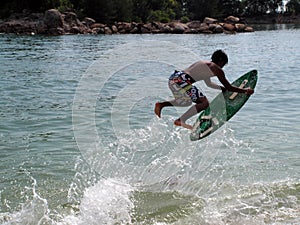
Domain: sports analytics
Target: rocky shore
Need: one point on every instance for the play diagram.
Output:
(53, 22)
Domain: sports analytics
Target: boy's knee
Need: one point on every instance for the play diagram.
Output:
(205, 102)
(201, 104)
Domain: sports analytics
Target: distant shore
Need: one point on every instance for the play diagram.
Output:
(53, 22)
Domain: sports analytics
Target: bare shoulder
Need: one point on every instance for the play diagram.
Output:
(215, 68)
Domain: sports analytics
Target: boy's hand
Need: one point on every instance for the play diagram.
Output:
(249, 91)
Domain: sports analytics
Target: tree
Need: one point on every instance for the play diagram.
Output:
(274, 5)
(164, 10)
(108, 11)
(230, 7)
(141, 10)
(151, 10)
(100, 10)
(261, 7)
(293, 6)
(198, 9)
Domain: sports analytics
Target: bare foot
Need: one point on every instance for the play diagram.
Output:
(179, 123)
(157, 109)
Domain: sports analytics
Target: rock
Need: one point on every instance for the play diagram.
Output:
(114, 29)
(232, 19)
(218, 29)
(73, 25)
(212, 26)
(249, 29)
(56, 31)
(177, 27)
(107, 30)
(41, 28)
(194, 24)
(191, 31)
(240, 27)
(135, 30)
(52, 22)
(75, 30)
(156, 25)
(24, 23)
(88, 21)
(53, 19)
(97, 25)
(71, 18)
(145, 29)
(206, 31)
(198, 27)
(204, 28)
(148, 28)
(98, 30)
(124, 27)
(229, 27)
(166, 29)
(209, 20)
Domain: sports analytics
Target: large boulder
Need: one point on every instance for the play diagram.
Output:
(114, 29)
(177, 27)
(24, 23)
(249, 29)
(52, 22)
(53, 19)
(216, 28)
(232, 19)
(199, 27)
(229, 27)
(209, 20)
(73, 25)
(124, 27)
(88, 21)
(240, 27)
(194, 24)
(71, 19)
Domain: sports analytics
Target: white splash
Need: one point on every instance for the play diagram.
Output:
(107, 202)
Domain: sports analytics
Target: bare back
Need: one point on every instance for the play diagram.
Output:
(199, 70)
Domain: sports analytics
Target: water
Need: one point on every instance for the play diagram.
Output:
(80, 143)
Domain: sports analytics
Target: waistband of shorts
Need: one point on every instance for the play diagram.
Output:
(179, 73)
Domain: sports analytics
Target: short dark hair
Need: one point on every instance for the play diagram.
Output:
(219, 56)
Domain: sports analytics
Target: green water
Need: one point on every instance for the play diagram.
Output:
(132, 168)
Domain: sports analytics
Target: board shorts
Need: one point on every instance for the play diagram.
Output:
(181, 86)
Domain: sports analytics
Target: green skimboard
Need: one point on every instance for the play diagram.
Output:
(223, 107)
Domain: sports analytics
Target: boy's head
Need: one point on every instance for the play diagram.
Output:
(220, 58)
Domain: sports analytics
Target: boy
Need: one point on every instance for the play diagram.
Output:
(180, 83)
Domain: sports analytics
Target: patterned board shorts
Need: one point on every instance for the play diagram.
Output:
(181, 86)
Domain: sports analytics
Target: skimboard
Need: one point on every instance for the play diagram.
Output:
(223, 107)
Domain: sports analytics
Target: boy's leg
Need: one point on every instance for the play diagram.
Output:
(176, 102)
(201, 104)
(159, 106)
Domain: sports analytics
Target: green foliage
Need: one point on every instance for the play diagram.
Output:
(230, 7)
(198, 9)
(184, 19)
(159, 15)
(293, 6)
(64, 5)
(109, 11)
(261, 7)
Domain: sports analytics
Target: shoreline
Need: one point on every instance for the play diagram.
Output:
(54, 23)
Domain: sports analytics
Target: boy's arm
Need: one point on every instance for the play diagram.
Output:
(213, 85)
(227, 86)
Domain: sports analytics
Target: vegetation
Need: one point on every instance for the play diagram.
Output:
(293, 6)
(108, 11)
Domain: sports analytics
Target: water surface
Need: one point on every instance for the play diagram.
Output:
(142, 169)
